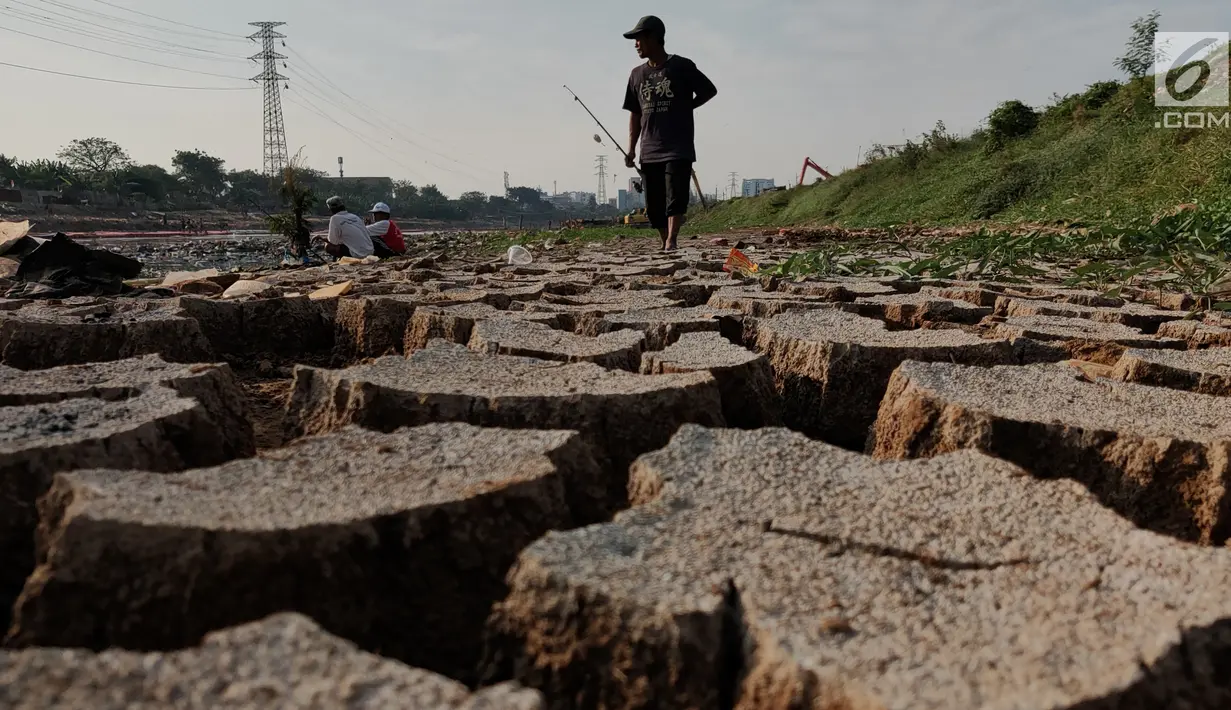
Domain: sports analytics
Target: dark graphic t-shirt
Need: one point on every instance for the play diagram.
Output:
(665, 96)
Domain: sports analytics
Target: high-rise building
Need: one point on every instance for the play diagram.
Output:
(756, 186)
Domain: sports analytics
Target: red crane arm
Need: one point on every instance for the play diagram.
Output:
(809, 163)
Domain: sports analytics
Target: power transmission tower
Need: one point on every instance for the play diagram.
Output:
(601, 197)
(732, 176)
(506, 183)
(275, 131)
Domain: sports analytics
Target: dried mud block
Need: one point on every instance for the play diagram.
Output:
(664, 326)
(453, 324)
(915, 310)
(212, 386)
(372, 326)
(1160, 457)
(399, 542)
(155, 430)
(1200, 371)
(1144, 318)
(832, 367)
(621, 415)
(765, 304)
(42, 336)
(770, 571)
(287, 325)
(745, 380)
(283, 661)
(1079, 338)
(616, 350)
(840, 290)
(1198, 334)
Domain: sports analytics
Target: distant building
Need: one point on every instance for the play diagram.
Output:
(581, 198)
(756, 186)
(613, 202)
(633, 200)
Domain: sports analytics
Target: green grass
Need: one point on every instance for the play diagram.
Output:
(503, 240)
(1105, 165)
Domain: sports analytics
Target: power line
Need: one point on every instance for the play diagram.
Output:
(115, 30)
(380, 151)
(384, 129)
(232, 37)
(129, 83)
(134, 23)
(120, 56)
(389, 122)
(95, 33)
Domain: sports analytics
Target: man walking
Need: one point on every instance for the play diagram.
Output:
(660, 99)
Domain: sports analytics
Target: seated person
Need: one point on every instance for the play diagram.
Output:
(382, 228)
(347, 234)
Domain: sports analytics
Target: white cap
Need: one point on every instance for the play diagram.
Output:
(382, 207)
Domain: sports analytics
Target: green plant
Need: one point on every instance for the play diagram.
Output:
(1012, 184)
(1140, 53)
(1012, 119)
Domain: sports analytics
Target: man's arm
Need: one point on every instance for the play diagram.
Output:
(703, 88)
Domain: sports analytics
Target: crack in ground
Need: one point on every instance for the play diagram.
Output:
(896, 553)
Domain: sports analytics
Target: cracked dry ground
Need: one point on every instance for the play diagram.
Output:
(613, 481)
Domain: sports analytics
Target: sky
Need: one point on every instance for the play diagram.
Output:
(457, 92)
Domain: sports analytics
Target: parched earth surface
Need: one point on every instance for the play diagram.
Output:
(612, 479)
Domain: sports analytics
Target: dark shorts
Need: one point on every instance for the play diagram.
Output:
(666, 190)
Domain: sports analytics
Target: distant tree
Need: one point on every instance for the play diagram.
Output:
(526, 196)
(1140, 54)
(248, 187)
(46, 175)
(8, 169)
(472, 204)
(97, 161)
(201, 173)
(153, 181)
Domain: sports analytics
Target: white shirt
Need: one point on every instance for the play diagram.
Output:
(379, 229)
(346, 228)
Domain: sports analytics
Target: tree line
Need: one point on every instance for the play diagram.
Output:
(198, 180)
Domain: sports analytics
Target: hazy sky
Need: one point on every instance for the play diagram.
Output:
(477, 84)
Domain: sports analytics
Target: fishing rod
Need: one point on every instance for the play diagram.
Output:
(695, 180)
(614, 142)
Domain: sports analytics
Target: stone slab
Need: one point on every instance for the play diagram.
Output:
(284, 661)
(452, 324)
(287, 325)
(917, 310)
(832, 367)
(155, 429)
(213, 387)
(372, 326)
(745, 380)
(1160, 457)
(40, 335)
(621, 415)
(765, 304)
(1198, 334)
(663, 326)
(1146, 319)
(1200, 371)
(421, 523)
(615, 350)
(1081, 338)
(769, 571)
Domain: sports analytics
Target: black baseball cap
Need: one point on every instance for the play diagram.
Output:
(648, 25)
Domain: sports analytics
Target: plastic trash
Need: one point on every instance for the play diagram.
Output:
(520, 256)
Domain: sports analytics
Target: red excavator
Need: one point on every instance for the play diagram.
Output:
(808, 163)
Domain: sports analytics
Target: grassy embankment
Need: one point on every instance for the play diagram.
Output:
(1094, 157)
